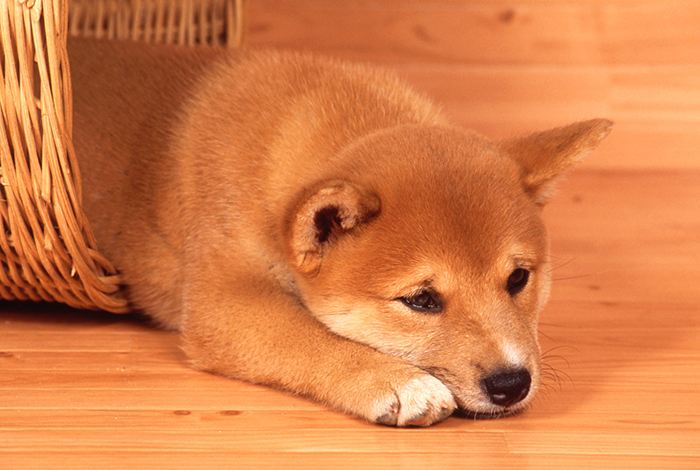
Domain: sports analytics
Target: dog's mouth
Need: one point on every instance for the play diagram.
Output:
(483, 415)
(498, 395)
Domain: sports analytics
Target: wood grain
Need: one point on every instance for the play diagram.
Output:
(507, 70)
(620, 336)
(488, 32)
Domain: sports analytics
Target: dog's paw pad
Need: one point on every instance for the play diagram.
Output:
(421, 401)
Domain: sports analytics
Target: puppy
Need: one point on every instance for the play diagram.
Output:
(320, 228)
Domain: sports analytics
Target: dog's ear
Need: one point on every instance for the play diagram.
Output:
(322, 217)
(547, 155)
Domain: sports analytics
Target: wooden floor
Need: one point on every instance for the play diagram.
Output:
(621, 334)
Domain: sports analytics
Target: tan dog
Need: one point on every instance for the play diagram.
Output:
(320, 228)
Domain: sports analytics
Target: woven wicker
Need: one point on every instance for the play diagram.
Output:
(184, 22)
(47, 249)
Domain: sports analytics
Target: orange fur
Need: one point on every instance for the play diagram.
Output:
(319, 227)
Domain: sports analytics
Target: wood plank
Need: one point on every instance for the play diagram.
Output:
(301, 432)
(517, 69)
(324, 460)
(522, 32)
(443, 32)
(300, 440)
(651, 223)
(656, 110)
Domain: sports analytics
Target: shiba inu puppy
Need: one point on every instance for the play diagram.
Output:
(318, 227)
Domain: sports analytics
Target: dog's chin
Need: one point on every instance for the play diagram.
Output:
(505, 413)
(467, 413)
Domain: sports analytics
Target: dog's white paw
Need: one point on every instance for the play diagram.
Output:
(421, 401)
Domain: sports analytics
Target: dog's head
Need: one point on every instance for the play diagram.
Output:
(428, 244)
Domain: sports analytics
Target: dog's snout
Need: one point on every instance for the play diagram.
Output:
(507, 388)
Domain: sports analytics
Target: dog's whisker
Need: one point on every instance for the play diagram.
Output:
(545, 391)
(551, 357)
(557, 375)
(559, 266)
(541, 333)
(553, 375)
(569, 278)
(548, 353)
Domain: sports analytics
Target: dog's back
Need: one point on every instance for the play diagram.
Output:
(126, 99)
(143, 112)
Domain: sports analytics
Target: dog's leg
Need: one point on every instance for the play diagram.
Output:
(252, 330)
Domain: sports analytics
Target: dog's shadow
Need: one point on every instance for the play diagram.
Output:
(64, 318)
(43, 321)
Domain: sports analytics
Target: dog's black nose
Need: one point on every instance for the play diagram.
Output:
(507, 388)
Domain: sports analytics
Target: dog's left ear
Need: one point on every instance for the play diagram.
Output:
(323, 217)
(547, 155)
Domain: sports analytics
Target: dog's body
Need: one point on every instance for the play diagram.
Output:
(320, 228)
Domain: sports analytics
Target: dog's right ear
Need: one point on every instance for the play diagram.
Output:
(322, 217)
(545, 156)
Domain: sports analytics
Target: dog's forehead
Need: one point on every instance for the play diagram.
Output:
(450, 163)
(448, 198)
(463, 219)
(458, 226)
(480, 195)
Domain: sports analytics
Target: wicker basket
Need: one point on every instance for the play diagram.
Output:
(47, 249)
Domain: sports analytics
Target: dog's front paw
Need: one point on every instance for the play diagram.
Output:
(421, 401)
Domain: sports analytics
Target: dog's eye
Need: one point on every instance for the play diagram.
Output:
(423, 301)
(517, 281)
